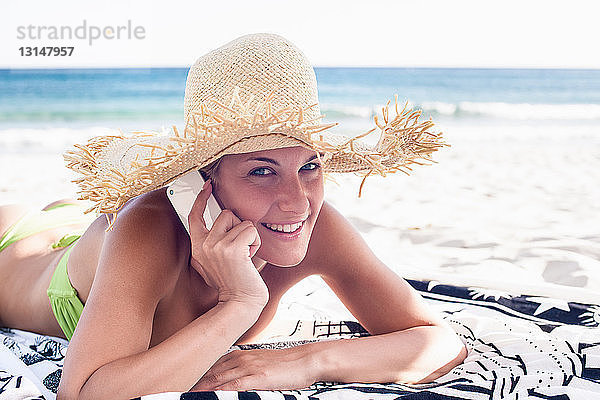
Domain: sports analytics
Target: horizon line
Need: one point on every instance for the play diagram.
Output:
(508, 67)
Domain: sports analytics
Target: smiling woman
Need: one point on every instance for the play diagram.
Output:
(161, 295)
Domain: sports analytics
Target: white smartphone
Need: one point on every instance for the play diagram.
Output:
(182, 193)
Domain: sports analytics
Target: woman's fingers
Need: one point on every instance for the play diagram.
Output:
(227, 226)
(254, 248)
(242, 235)
(259, 369)
(220, 373)
(225, 373)
(196, 217)
(230, 229)
(243, 232)
(225, 222)
(248, 237)
(243, 383)
(227, 381)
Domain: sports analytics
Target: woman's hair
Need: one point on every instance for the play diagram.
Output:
(210, 171)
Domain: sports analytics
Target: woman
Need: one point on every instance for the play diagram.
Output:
(162, 307)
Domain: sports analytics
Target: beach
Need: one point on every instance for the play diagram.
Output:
(513, 205)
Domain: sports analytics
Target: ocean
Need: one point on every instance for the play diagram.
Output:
(152, 98)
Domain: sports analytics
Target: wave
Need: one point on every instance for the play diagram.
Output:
(466, 109)
(52, 140)
(83, 116)
(333, 112)
(518, 110)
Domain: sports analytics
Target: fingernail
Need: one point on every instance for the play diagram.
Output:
(205, 184)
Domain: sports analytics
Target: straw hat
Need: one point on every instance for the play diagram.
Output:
(257, 92)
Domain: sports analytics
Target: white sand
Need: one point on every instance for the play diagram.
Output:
(511, 207)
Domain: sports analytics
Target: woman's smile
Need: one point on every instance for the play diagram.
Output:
(286, 231)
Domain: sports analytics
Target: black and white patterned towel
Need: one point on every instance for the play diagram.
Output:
(520, 347)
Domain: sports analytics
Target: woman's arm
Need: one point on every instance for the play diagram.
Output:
(410, 342)
(407, 356)
(109, 355)
(414, 355)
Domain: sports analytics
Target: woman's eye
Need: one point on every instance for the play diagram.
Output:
(261, 171)
(310, 166)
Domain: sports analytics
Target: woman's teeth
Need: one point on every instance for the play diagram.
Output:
(284, 228)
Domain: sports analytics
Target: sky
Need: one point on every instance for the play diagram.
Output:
(393, 33)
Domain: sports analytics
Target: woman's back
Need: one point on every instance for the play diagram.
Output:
(26, 267)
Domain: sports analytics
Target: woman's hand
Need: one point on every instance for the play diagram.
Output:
(261, 369)
(222, 255)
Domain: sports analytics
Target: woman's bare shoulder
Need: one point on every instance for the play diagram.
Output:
(333, 239)
(147, 240)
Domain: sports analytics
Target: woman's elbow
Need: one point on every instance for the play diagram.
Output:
(452, 352)
(68, 391)
(66, 395)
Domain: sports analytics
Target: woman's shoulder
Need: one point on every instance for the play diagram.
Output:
(148, 235)
(147, 218)
(330, 225)
(333, 240)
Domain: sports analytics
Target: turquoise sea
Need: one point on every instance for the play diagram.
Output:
(153, 97)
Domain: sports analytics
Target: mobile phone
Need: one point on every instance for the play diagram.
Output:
(182, 193)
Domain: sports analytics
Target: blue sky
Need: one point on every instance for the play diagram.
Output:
(426, 33)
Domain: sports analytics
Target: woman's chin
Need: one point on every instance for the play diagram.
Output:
(283, 249)
(281, 259)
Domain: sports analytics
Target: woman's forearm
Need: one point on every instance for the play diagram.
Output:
(415, 355)
(177, 363)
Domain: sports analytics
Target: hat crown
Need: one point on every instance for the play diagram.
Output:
(256, 64)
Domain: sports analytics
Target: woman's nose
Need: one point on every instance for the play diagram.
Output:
(292, 197)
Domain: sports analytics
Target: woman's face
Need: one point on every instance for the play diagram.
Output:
(279, 190)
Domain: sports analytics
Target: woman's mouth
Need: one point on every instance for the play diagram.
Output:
(285, 230)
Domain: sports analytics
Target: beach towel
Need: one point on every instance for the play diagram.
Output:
(519, 347)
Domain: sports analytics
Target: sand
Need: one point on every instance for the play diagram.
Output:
(510, 206)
